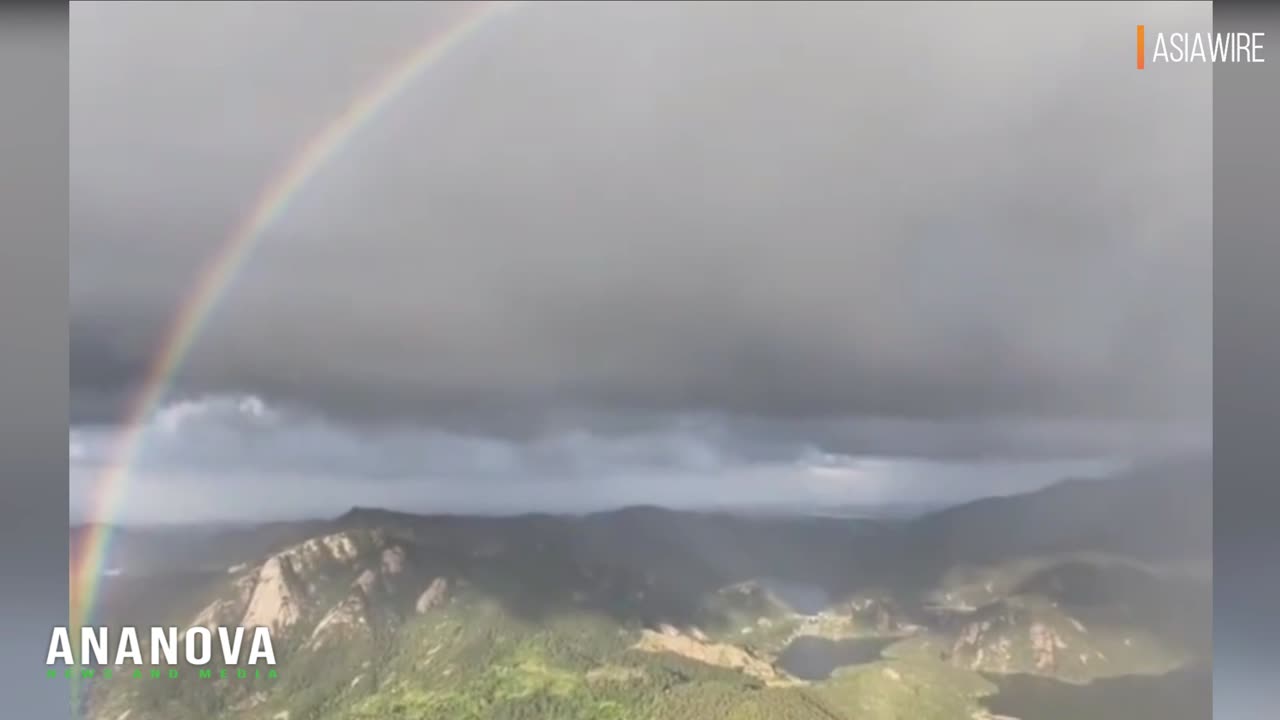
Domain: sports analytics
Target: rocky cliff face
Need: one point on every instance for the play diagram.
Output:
(434, 596)
(696, 646)
(1038, 636)
(348, 617)
(343, 581)
(276, 601)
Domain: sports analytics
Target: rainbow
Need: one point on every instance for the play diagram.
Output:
(216, 276)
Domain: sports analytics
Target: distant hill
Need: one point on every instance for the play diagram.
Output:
(1159, 510)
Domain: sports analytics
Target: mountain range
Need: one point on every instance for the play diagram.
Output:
(1090, 589)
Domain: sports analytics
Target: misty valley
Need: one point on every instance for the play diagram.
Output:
(1089, 598)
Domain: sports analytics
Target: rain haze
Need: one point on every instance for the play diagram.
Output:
(603, 254)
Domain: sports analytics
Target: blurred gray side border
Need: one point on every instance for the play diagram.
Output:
(1246, 235)
(33, 353)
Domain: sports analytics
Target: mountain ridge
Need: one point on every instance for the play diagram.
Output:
(652, 613)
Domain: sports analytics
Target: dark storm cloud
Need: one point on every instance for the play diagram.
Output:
(864, 225)
(218, 458)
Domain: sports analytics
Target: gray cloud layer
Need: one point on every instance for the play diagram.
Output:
(966, 229)
(219, 458)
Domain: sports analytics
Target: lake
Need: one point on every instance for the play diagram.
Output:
(1181, 695)
(815, 658)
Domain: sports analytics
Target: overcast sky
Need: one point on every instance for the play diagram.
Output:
(628, 252)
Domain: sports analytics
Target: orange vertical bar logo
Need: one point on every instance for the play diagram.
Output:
(1141, 49)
